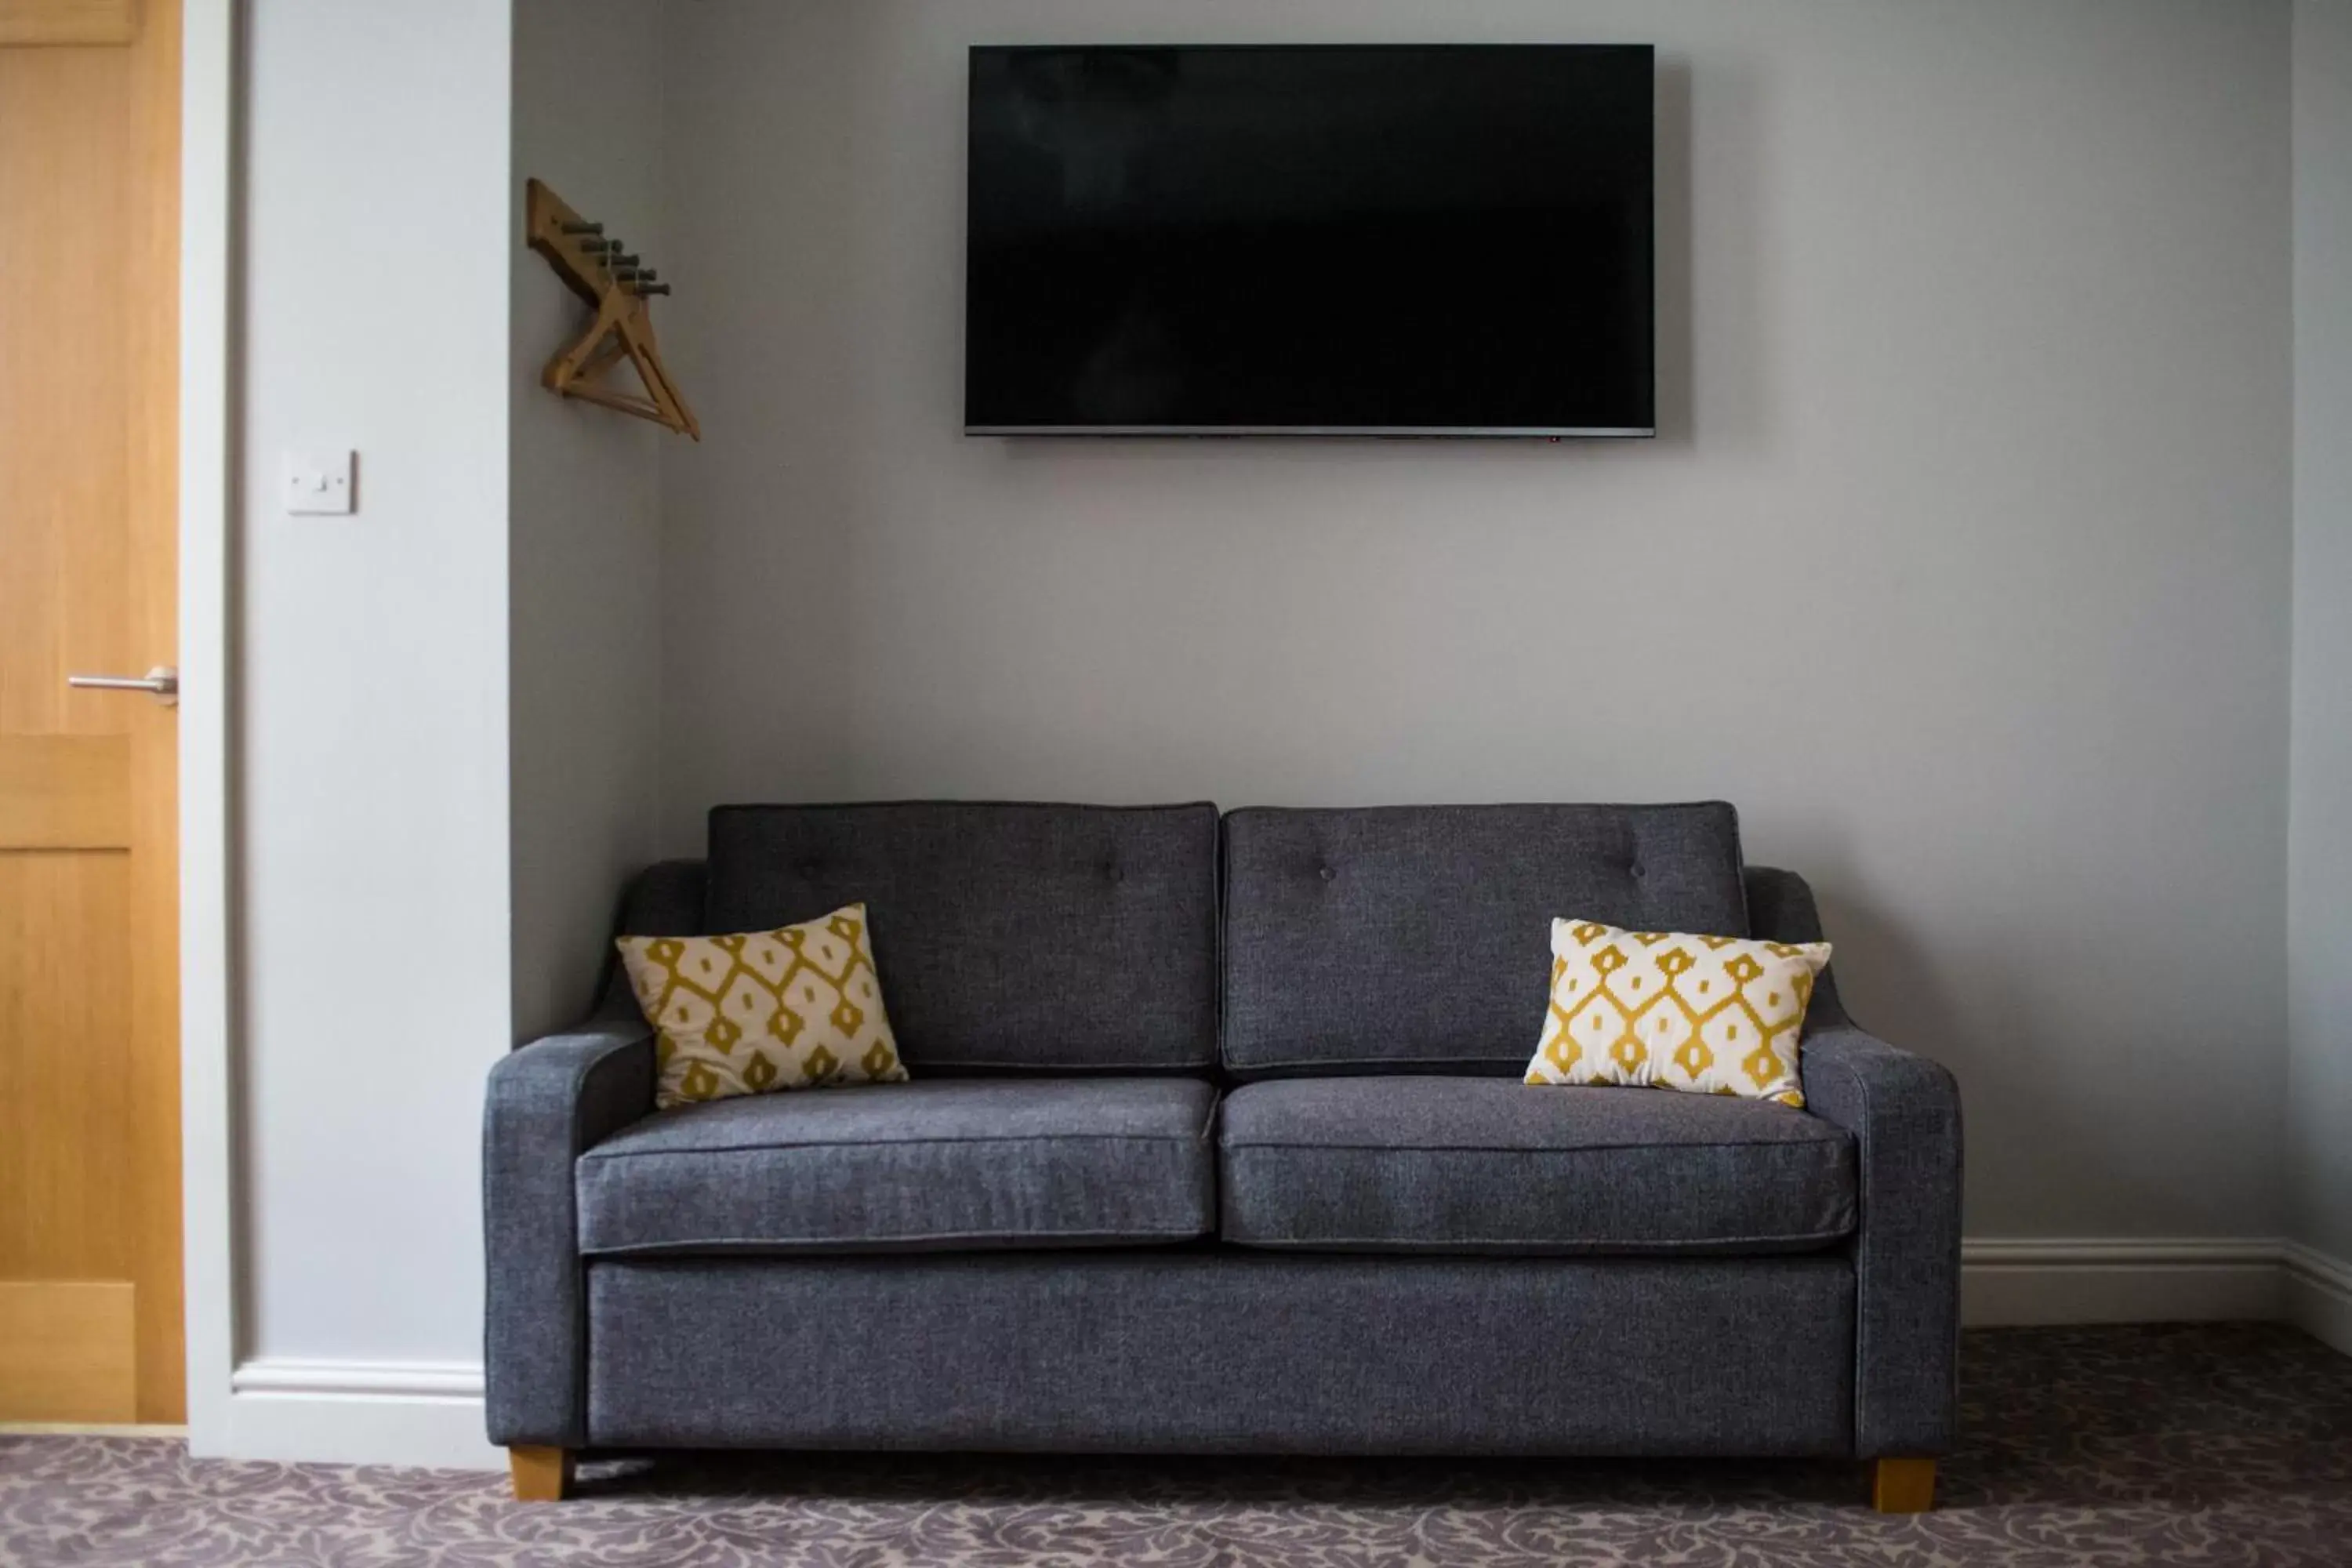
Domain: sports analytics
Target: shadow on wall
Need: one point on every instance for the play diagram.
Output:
(1885, 978)
(1892, 985)
(1673, 265)
(1725, 115)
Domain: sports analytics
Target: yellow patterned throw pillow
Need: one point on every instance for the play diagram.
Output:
(1712, 1015)
(800, 1008)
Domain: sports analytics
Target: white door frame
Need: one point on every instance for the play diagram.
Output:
(210, 1234)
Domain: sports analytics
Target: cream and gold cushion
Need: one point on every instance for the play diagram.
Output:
(1712, 1015)
(800, 1008)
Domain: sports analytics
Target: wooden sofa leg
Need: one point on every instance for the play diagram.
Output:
(540, 1475)
(1902, 1485)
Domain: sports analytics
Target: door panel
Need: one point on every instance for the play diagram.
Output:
(89, 1204)
(69, 21)
(65, 791)
(67, 1351)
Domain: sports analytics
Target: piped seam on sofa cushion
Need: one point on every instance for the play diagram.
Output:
(1597, 1246)
(1200, 1134)
(1374, 1066)
(884, 1243)
(699, 1150)
(1807, 1143)
(1096, 1068)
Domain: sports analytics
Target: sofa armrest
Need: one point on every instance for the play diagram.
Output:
(548, 1103)
(1904, 1112)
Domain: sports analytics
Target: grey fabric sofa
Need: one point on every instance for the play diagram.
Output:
(1216, 1142)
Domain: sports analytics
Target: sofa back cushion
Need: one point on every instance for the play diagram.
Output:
(1417, 939)
(1047, 938)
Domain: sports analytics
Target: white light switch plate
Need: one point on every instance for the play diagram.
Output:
(319, 483)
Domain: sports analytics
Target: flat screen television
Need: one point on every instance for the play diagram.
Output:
(1378, 241)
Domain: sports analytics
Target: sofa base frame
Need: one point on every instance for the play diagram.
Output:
(1223, 1349)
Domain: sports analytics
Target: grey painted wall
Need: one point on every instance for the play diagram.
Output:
(2319, 878)
(1961, 563)
(584, 540)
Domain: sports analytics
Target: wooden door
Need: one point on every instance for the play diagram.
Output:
(90, 1321)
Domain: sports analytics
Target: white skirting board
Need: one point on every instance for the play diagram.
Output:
(2088, 1280)
(2319, 1294)
(2075, 1281)
(359, 1412)
(422, 1413)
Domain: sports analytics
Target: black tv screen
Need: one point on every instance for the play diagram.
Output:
(1401, 240)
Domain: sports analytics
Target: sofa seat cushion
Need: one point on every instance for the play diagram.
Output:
(1478, 1165)
(935, 1165)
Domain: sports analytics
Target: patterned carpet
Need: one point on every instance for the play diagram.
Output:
(2214, 1444)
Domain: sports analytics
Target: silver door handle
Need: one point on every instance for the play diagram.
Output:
(162, 683)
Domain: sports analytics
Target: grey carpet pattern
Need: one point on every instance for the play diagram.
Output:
(2207, 1444)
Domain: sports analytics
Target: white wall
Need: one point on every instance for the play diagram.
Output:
(2319, 878)
(1961, 561)
(585, 549)
(371, 742)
